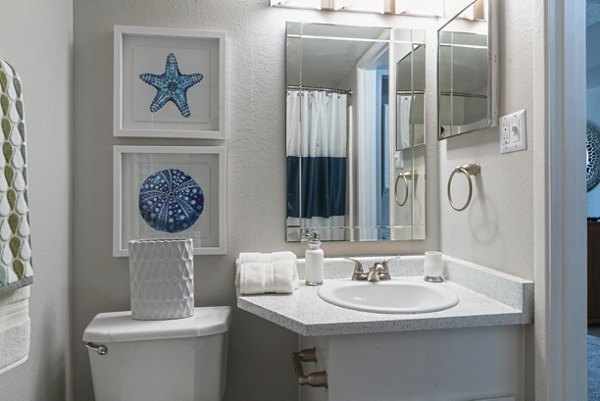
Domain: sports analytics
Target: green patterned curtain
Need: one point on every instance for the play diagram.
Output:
(15, 250)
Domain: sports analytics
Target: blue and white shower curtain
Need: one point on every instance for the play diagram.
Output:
(316, 161)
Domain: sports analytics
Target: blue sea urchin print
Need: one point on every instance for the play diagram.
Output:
(171, 86)
(170, 201)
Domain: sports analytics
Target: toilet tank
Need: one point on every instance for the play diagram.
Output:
(166, 360)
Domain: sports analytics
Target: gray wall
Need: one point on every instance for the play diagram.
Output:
(37, 40)
(259, 366)
(497, 229)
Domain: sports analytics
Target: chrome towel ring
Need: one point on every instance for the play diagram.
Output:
(468, 170)
(405, 177)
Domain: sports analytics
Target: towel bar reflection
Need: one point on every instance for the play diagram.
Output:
(405, 177)
(468, 170)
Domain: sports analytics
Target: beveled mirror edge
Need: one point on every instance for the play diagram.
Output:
(419, 233)
(493, 76)
(492, 16)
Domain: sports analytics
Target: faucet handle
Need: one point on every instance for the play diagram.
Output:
(386, 265)
(383, 269)
(358, 266)
(358, 273)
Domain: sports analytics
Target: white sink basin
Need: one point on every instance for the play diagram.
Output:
(399, 295)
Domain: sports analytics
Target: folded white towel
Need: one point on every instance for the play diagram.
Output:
(256, 257)
(14, 296)
(15, 327)
(259, 278)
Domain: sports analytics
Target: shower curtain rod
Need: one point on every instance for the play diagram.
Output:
(444, 93)
(319, 88)
(463, 94)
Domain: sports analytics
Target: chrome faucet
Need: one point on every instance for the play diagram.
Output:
(379, 271)
(358, 273)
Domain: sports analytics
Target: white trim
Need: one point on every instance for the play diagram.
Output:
(120, 32)
(366, 209)
(118, 152)
(559, 222)
(365, 103)
(493, 66)
(351, 180)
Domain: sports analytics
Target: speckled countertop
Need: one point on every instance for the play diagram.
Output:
(487, 298)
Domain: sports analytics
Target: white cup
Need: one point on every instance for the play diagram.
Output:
(433, 266)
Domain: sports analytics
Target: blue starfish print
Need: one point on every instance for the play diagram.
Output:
(172, 86)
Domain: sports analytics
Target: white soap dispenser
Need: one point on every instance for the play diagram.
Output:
(313, 262)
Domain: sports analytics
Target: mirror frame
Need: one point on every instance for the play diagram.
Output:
(492, 73)
(356, 232)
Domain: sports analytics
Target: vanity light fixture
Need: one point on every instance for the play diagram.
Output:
(371, 6)
(476, 10)
(431, 8)
(309, 4)
(419, 7)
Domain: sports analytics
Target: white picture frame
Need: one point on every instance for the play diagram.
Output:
(135, 166)
(197, 111)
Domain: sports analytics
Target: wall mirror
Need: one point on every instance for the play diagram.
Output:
(355, 143)
(468, 70)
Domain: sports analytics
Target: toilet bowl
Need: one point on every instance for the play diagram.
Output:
(166, 360)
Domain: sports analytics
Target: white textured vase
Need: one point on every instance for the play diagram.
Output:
(161, 275)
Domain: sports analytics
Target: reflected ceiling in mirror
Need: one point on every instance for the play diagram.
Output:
(347, 175)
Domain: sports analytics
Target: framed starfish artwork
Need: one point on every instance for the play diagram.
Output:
(169, 192)
(169, 83)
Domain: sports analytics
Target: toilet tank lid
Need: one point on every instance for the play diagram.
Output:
(117, 327)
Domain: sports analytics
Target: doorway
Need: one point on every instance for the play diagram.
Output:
(593, 197)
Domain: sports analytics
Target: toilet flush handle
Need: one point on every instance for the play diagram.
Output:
(97, 348)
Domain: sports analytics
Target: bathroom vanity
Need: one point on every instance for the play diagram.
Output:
(468, 352)
(357, 172)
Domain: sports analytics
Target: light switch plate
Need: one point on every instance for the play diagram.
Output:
(513, 132)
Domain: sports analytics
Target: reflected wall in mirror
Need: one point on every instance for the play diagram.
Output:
(467, 71)
(355, 143)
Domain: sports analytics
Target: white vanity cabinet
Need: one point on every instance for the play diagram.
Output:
(433, 365)
(474, 351)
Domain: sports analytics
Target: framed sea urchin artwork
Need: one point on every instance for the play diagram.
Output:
(169, 83)
(169, 192)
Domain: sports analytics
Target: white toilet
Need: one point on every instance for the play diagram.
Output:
(164, 360)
